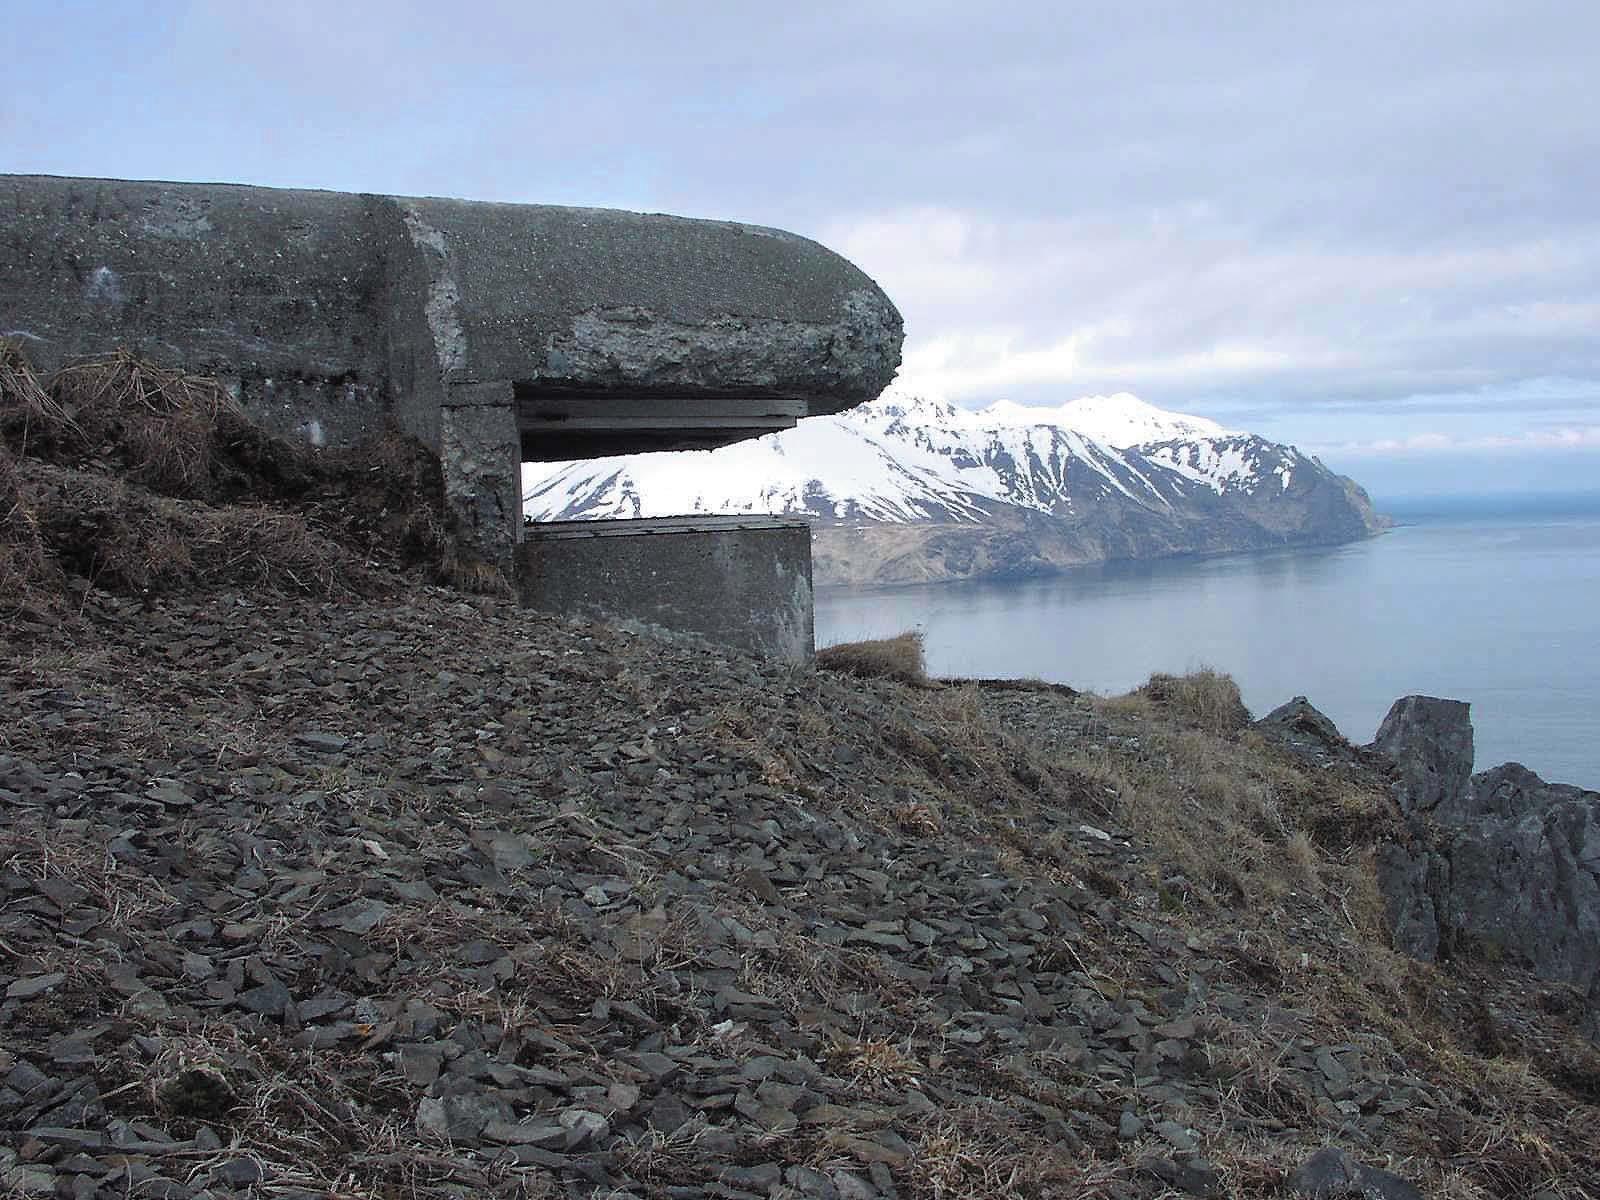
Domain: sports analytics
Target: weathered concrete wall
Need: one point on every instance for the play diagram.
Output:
(337, 309)
(736, 581)
(493, 332)
(482, 482)
(619, 301)
(272, 291)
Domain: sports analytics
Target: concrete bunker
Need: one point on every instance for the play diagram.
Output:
(742, 581)
(495, 333)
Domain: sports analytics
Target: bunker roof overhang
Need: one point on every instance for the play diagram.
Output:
(604, 331)
(622, 332)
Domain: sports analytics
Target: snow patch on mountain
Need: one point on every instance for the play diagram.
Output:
(1240, 462)
(1121, 420)
(906, 458)
(825, 467)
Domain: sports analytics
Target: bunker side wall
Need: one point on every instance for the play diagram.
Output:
(746, 588)
(276, 293)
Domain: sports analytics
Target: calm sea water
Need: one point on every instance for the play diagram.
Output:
(1496, 604)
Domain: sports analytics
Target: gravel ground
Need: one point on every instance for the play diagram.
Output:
(428, 896)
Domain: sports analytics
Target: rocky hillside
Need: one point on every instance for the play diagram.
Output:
(430, 895)
(317, 879)
(908, 489)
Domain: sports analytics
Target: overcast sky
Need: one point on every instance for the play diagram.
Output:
(1371, 229)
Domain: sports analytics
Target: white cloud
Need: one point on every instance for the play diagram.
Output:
(1180, 305)
(1575, 438)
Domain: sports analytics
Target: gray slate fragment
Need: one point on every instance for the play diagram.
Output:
(1197, 1177)
(324, 743)
(460, 1118)
(240, 1172)
(77, 1139)
(29, 1180)
(1332, 1172)
(36, 985)
(420, 1063)
(269, 999)
(358, 917)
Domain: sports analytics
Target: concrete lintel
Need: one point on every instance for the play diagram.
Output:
(716, 523)
(535, 406)
(552, 442)
(475, 394)
(669, 424)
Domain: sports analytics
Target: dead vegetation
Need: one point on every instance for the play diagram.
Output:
(1204, 698)
(1267, 862)
(122, 475)
(24, 568)
(899, 658)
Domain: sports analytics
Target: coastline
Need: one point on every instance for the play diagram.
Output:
(1067, 570)
(1429, 607)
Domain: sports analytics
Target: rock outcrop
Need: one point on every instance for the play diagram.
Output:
(1501, 862)
(1430, 741)
(1300, 728)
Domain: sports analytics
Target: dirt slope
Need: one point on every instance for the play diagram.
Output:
(429, 895)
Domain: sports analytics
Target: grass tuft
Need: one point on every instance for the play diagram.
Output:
(166, 429)
(899, 658)
(1205, 698)
(25, 569)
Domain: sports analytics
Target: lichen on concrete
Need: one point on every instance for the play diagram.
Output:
(443, 301)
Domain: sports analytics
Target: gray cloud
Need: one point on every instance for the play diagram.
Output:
(1373, 219)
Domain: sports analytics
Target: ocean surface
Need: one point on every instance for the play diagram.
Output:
(1496, 602)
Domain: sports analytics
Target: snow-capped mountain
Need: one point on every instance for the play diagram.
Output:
(1120, 420)
(920, 479)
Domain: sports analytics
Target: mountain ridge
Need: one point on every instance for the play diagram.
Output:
(914, 475)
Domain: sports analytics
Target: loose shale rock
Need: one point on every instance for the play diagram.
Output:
(442, 898)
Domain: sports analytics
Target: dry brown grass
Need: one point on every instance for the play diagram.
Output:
(1205, 698)
(874, 1059)
(28, 413)
(24, 568)
(142, 480)
(467, 574)
(971, 1152)
(322, 1122)
(165, 430)
(1226, 809)
(127, 540)
(899, 658)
